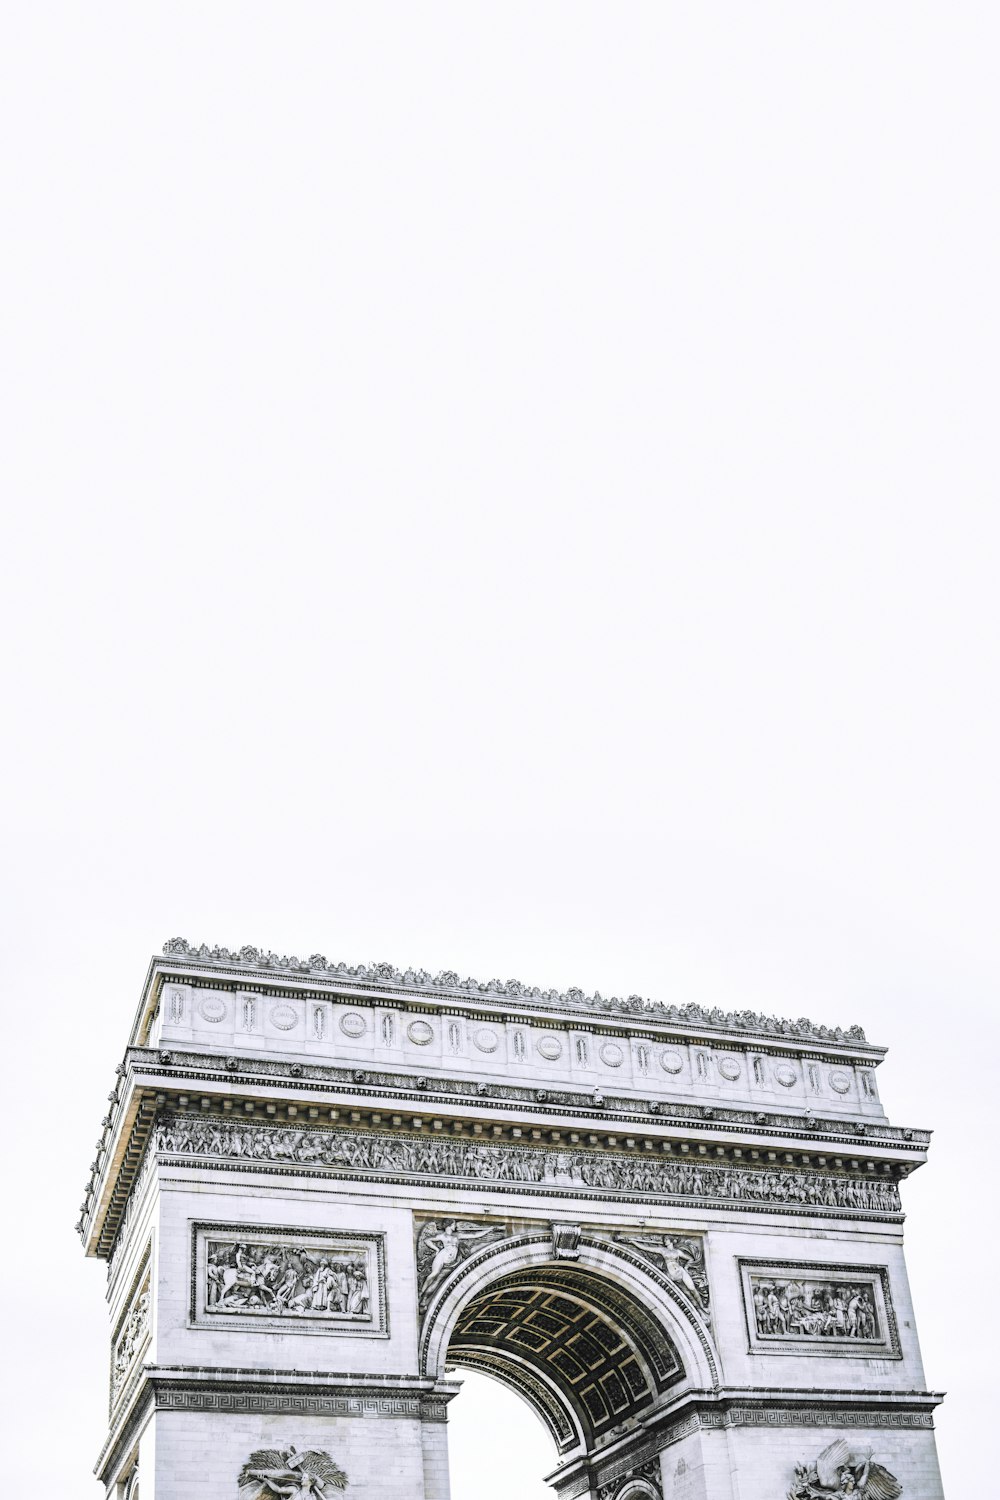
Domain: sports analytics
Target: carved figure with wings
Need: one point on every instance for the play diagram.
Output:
(441, 1245)
(838, 1471)
(269, 1471)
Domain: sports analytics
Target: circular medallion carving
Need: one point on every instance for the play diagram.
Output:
(786, 1075)
(840, 1081)
(671, 1062)
(550, 1047)
(612, 1055)
(420, 1033)
(486, 1039)
(730, 1069)
(353, 1023)
(284, 1017)
(213, 1009)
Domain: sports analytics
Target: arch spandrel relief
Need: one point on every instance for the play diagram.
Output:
(351, 1183)
(670, 1340)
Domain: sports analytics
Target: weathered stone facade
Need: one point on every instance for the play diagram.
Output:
(678, 1233)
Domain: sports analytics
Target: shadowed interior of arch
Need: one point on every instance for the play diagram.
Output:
(584, 1352)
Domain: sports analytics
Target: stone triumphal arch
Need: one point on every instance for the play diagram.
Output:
(322, 1191)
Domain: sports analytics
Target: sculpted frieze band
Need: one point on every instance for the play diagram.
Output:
(794, 1188)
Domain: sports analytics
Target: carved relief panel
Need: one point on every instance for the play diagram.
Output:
(812, 1308)
(679, 1257)
(442, 1244)
(131, 1334)
(298, 1280)
(838, 1470)
(289, 1471)
(381, 1154)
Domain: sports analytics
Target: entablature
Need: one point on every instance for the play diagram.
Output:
(197, 1084)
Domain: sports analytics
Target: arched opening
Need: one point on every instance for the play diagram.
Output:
(593, 1341)
(497, 1447)
(584, 1352)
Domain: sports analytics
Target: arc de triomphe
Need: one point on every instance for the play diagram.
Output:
(677, 1234)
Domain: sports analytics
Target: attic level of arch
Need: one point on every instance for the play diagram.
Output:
(386, 979)
(487, 1009)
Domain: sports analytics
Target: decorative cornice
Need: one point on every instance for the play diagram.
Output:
(447, 983)
(272, 1391)
(182, 1064)
(906, 1412)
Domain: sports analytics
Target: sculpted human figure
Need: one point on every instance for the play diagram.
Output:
(450, 1242)
(285, 1289)
(357, 1302)
(214, 1279)
(838, 1471)
(323, 1279)
(673, 1258)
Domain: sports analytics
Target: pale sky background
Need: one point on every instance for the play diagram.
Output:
(510, 488)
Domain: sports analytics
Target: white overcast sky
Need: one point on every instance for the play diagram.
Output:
(505, 487)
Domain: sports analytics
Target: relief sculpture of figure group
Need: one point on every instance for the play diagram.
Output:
(442, 1245)
(838, 1471)
(814, 1309)
(280, 1279)
(272, 1471)
(602, 1171)
(129, 1341)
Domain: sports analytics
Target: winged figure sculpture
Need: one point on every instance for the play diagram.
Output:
(839, 1471)
(441, 1245)
(269, 1471)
